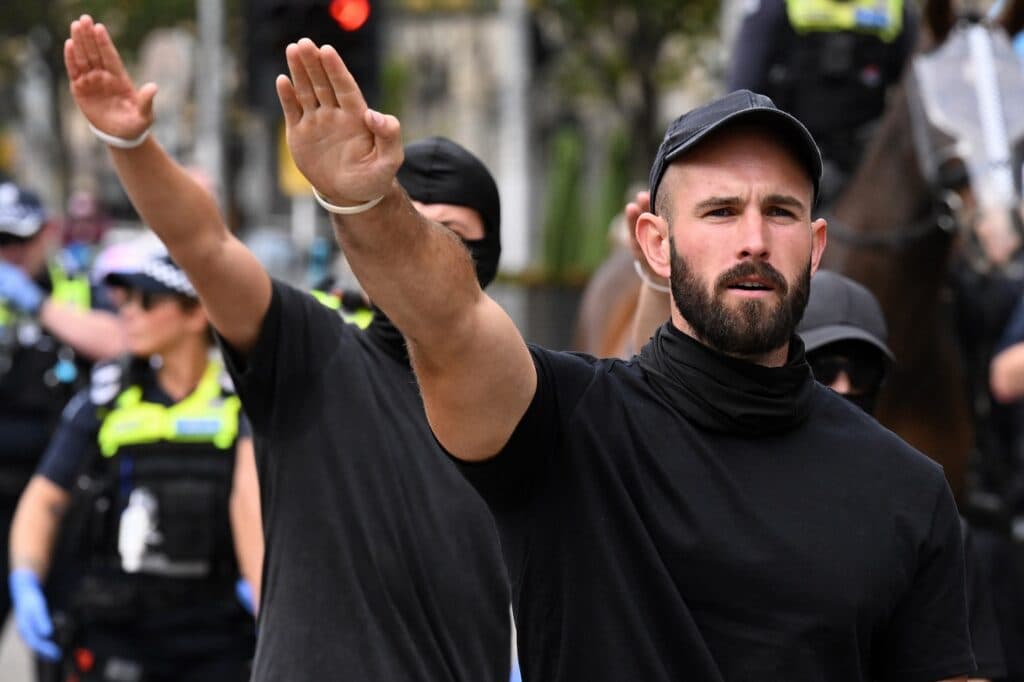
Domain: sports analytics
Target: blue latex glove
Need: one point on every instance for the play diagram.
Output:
(31, 614)
(19, 290)
(243, 590)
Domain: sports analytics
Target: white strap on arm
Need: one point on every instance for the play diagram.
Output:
(346, 210)
(119, 142)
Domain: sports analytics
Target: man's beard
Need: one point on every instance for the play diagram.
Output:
(749, 329)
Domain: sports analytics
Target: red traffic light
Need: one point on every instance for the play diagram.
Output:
(351, 15)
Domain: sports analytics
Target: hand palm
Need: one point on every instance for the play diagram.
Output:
(336, 153)
(110, 102)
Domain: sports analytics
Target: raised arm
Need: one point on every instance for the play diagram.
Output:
(475, 372)
(233, 286)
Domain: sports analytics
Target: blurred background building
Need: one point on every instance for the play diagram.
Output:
(565, 100)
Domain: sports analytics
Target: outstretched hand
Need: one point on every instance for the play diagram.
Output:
(347, 151)
(101, 85)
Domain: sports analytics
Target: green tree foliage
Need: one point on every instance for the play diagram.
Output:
(617, 54)
(617, 58)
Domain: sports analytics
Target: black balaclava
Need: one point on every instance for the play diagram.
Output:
(439, 171)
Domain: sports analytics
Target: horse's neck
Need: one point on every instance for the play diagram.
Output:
(888, 195)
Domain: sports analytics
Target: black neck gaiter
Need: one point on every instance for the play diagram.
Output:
(722, 393)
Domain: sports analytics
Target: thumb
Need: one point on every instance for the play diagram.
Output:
(146, 94)
(387, 134)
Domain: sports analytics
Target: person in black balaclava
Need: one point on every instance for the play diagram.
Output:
(382, 413)
(447, 183)
(381, 562)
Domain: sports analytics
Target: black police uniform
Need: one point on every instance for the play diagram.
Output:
(38, 375)
(834, 81)
(172, 614)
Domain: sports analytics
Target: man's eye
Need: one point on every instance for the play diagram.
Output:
(723, 212)
(778, 211)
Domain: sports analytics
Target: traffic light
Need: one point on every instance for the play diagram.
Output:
(351, 26)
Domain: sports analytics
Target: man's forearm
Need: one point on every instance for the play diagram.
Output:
(417, 271)
(96, 334)
(171, 202)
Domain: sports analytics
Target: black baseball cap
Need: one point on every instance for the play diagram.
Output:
(157, 275)
(840, 309)
(21, 212)
(744, 106)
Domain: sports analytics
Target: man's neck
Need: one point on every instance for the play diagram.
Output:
(774, 358)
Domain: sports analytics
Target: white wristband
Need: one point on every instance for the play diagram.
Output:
(119, 142)
(346, 210)
(648, 281)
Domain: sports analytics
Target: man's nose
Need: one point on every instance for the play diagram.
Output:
(753, 235)
(842, 384)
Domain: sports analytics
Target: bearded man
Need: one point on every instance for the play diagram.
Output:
(707, 512)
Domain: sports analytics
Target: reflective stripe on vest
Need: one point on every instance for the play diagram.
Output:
(71, 290)
(74, 291)
(360, 318)
(205, 416)
(881, 18)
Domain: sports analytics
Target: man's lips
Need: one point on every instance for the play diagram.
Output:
(751, 285)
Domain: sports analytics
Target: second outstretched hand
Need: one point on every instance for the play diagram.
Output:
(100, 84)
(347, 151)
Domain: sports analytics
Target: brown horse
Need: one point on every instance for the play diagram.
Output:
(884, 232)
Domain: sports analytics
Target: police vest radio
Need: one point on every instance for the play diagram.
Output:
(137, 529)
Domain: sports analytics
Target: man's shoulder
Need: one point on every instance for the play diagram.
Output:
(859, 435)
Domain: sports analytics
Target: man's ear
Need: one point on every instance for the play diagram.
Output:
(652, 236)
(819, 239)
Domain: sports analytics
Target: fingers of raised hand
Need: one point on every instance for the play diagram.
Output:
(312, 87)
(643, 200)
(90, 48)
(320, 78)
(77, 55)
(289, 103)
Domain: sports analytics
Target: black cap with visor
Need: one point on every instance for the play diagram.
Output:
(741, 106)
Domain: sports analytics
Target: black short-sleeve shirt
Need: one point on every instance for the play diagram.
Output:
(643, 546)
(381, 562)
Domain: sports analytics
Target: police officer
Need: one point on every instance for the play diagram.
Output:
(829, 63)
(144, 458)
(51, 325)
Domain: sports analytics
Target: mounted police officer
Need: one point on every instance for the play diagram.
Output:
(829, 63)
(142, 468)
(51, 327)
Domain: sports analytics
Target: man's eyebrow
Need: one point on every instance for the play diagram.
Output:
(785, 200)
(717, 202)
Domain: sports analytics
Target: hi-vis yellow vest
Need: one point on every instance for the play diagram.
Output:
(205, 416)
(71, 290)
(881, 18)
(360, 318)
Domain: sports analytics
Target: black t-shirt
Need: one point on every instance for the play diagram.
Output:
(381, 562)
(644, 546)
